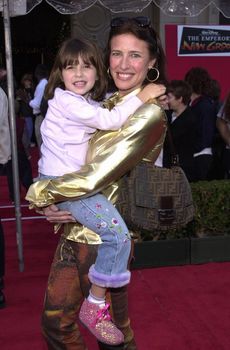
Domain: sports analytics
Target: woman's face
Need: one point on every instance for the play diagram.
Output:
(27, 84)
(129, 62)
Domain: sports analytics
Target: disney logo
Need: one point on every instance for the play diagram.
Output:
(210, 32)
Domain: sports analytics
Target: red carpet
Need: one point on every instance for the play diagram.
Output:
(171, 308)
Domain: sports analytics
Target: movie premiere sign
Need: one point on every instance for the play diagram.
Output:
(203, 40)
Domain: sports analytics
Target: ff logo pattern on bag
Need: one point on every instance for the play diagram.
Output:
(155, 198)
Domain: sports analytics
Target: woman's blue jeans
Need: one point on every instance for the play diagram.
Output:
(99, 215)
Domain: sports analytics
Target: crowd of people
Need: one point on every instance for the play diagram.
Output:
(85, 149)
(24, 93)
(199, 126)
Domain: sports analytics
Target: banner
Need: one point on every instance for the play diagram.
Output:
(203, 40)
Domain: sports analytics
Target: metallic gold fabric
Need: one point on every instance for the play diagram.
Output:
(81, 234)
(111, 154)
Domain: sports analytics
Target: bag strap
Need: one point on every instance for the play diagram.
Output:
(174, 157)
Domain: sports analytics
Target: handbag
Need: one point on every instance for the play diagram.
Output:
(155, 198)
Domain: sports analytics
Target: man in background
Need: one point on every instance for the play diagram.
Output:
(5, 156)
(41, 75)
(182, 126)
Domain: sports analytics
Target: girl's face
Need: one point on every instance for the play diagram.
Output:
(129, 62)
(79, 78)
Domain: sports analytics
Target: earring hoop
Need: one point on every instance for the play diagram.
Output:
(108, 72)
(150, 71)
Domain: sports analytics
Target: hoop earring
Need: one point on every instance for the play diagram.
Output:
(108, 72)
(157, 74)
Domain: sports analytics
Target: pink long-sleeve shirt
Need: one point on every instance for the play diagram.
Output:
(69, 124)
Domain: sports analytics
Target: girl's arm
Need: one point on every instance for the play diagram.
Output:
(112, 154)
(80, 111)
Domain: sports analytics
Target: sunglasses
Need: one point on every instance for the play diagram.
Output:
(141, 21)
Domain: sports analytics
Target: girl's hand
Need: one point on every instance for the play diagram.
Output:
(151, 91)
(54, 215)
(163, 101)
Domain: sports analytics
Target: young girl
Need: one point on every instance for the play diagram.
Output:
(76, 84)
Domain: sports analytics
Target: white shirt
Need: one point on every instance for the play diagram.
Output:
(38, 94)
(5, 143)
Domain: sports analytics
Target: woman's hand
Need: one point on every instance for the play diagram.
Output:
(151, 91)
(54, 215)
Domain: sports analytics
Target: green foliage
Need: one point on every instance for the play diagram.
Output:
(156, 235)
(212, 213)
(212, 207)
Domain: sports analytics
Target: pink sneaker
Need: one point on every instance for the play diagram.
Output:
(99, 323)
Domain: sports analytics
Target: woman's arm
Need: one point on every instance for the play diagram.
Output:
(111, 155)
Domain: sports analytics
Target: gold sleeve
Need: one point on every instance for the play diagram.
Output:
(110, 156)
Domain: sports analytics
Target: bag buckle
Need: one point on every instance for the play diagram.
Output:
(166, 213)
(166, 216)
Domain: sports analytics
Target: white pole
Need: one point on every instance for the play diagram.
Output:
(12, 122)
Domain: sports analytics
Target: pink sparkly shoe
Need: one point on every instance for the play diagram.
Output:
(98, 321)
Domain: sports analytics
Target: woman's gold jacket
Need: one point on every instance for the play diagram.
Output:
(111, 155)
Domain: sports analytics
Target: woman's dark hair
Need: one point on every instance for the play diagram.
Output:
(145, 33)
(179, 88)
(199, 80)
(69, 54)
(214, 90)
(26, 77)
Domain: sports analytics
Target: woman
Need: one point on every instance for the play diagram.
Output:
(24, 95)
(204, 111)
(223, 126)
(134, 52)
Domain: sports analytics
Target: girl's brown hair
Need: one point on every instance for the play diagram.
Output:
(68, 54)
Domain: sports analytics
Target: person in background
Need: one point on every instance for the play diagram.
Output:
(204, 109)
(24, 165)
(216, 172)
(24, 95)
(41, 74)
(6, 165)
(182, 127)
(135, 56)
(5, 158)
(223, 125)
(3, 79)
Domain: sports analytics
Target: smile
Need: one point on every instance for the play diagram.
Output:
(124, 76)
(79, 83)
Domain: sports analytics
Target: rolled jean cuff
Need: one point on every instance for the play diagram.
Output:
(107, 281)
